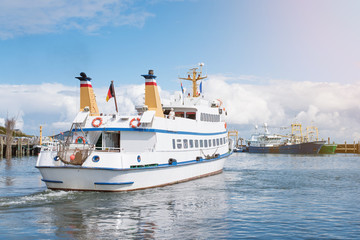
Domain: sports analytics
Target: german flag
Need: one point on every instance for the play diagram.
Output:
(111, 92)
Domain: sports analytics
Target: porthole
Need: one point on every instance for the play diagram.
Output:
(96, 158)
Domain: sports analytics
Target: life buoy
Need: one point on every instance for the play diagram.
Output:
(136, 124)
(80, 140)
(225, 125)
(99, 120)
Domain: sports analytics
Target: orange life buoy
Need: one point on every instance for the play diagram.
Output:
(80, 140)
(135, 125)
(225, 125)
(99, 120)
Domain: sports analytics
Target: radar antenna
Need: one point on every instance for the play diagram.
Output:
(194, 75)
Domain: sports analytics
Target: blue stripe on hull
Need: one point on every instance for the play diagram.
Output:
(51, 181)
(302, 148)
(113, 183)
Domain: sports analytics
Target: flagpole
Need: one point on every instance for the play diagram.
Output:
(112, 85)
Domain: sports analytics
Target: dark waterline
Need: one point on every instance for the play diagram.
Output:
(256, 197)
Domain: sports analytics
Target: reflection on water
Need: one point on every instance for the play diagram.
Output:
(257, 196)
(150, 214)
(7, 176)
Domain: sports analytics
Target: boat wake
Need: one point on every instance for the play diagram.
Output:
(36, 199)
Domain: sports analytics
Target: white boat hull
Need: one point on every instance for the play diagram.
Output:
(112, 179)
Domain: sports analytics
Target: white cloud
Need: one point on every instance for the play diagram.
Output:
(22, 17)
(332, 107)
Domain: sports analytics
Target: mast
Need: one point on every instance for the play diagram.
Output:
(296, 131)
(194, 76)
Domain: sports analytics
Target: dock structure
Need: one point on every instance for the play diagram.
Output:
(19, 147)
(238, 140)
(348, 148)
(1, 146)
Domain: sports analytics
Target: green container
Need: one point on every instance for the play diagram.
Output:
(327, 149)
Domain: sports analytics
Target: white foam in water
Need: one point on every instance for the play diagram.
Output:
(47, 196)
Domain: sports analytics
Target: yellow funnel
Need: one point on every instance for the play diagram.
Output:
(87, 96)
(152, 97)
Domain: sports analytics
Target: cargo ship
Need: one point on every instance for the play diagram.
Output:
(273, 143)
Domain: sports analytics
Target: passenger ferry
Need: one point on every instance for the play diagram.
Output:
(157, 146)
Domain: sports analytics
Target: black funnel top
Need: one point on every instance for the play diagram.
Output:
(83, 77)
(150, 75)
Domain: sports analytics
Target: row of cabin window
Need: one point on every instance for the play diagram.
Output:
(190, 115)
(209, 117)
(202, 143)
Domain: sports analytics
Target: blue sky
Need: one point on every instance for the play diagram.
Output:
(280, 54)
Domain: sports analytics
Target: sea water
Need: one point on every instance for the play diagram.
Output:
(258, 196)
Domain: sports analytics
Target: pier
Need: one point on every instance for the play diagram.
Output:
(20, 146)
(348, 148)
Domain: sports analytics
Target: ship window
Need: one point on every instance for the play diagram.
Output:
(201, 143)
(111, 140)
(166, 112)
(214, 142)
(178, 143)
(191, 143)
(191, 115)
(217, 142)
(221, 141)
(196, 143)
(209, 142)
(179, 114)
(173, 142)
(99, 142)
(186, 143)
(205, 143)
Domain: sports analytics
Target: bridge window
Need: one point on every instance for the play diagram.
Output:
(173, 143)
(205, 143)
(201, 143)
(196, 143)
(179, 114)
(191, 115)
